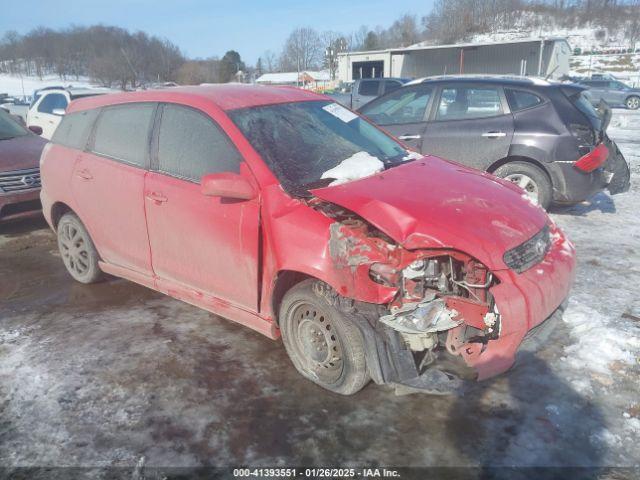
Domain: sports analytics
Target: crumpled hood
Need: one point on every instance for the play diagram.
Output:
(434, 203)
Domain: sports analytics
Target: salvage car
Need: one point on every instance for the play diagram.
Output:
(288, 213)
(545, 137)
(20, 151)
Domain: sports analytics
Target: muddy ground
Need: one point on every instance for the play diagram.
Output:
(114, 374)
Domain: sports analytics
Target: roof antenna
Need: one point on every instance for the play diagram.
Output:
(551, 72)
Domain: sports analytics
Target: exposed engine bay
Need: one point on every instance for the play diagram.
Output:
(441, 298)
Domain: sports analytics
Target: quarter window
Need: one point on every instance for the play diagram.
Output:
(123, 132)
(368, 88)
(52, 102)
(390, 86)
(464, 103)
(74, 129)
(406, 105)
(190, 145)
(519, 99)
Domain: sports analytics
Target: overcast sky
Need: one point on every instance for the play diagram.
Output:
(206, 28)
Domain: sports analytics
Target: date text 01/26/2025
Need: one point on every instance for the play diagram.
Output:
(315, 473)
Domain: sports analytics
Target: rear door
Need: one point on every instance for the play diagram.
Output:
(108, 185)
(469, 123)
(402, 113)
(204, 245)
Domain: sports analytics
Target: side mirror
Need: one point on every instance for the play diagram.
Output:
(58, 111)
(227, 185)
(36, 129)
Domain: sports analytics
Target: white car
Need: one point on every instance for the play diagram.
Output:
(49, 106)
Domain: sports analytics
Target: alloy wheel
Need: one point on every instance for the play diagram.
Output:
(526, 183)
(633, 103)
(73, 247)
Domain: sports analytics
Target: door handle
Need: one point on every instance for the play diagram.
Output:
(494, 134)
(409, 137)
(84, 174)
(156, 197)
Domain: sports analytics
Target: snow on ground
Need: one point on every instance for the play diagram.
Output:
(602, 357)
(20, 86)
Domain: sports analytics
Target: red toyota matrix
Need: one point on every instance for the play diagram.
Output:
(285, 212)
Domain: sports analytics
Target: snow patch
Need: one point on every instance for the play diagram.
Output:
(358, 165)
(599, 344)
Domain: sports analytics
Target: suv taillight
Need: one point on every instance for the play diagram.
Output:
(594, 159)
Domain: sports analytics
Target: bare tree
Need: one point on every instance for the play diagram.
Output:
(302, 50)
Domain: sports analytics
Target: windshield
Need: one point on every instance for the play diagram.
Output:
(313, 144)
(9, 128)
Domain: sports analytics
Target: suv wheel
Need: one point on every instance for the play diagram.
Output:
(323, 344)
(531, 179)
(633, 102)
(77, 250)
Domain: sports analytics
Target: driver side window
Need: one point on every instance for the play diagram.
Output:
(405, 105)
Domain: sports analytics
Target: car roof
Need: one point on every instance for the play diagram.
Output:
(227, 96)
(489, 79)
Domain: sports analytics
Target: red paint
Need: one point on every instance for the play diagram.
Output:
(226, 255)
(594, 159)
(19, 153)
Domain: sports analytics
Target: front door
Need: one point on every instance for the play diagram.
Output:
(208, 245)
(402, 113)
(469, 124)
(42, 113)
(108, 184)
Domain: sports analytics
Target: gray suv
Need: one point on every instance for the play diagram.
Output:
(546, 137)
(614, 92)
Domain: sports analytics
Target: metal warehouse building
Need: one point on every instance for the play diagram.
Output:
(531, 57)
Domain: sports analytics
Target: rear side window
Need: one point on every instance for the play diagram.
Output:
(368, 88)
(191, 145)
(74, 129)
(51, 102)
(406, 105)
(465, 103)
(521, 100)
(122, 132)
(390, 86)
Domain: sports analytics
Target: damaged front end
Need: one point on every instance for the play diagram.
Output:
(438, 307)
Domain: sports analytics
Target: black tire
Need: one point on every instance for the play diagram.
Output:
(632, 102)
(541, 183)
(78, 252)
(322, 342)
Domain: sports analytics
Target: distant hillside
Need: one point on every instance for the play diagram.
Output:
(588, 24)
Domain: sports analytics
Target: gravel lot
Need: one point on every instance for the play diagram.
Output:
(114, 374)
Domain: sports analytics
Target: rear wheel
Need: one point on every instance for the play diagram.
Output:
(77, 250)
(633, 102)
(535, 183)
(323, 344)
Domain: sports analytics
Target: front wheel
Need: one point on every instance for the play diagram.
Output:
(535, 183)
(323, 344)
(633, 102)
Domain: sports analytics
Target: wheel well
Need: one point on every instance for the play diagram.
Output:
(57, 211)
(533, 162)
(285, 280)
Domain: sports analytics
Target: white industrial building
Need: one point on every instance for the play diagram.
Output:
(530, 57)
